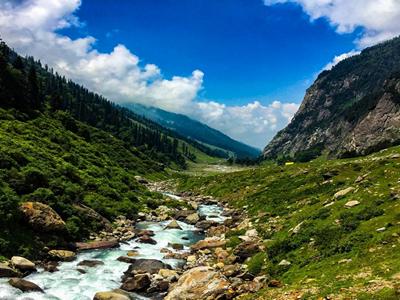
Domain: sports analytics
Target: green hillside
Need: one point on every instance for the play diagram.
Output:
(333, 249)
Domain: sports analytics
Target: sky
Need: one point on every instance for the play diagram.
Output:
(240, 66)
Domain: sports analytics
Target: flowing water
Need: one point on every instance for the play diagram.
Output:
(69, 284)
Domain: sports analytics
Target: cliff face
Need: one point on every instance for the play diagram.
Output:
(354, 109)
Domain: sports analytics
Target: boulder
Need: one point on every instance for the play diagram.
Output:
(6, 271)
(344, 192)
(208, 243)
(245, 250)
(112, 295)
(284, 262)
(24, 285)
(42, 217)
(143, 265)
(173, 225)
(90, 263)
(51, 266)
(181, 215)
(125, 259)
(141, 180)
(63, 255)
(158, 286)
(199, 283)
(206, 224)
(176, 246)
(97, 245)
(138, 283)
(22, 263)
(352, 203)
(132, 253)
(167, 274)
(145, 239)
(192, 218)
(141, 232)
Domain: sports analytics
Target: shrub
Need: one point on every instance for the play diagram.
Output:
(256, 263)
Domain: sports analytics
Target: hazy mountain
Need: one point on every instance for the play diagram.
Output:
(194, 129)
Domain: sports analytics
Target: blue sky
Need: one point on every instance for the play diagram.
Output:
(247, 50)
(240, 66)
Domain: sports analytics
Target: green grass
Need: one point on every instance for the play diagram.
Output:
(278, 198)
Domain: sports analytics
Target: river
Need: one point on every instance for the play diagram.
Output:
(70, 284)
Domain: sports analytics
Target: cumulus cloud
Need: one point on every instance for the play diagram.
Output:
(32, 27)
(254, 122)
(379, 19)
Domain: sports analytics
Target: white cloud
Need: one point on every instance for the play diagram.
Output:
(31, 28)
(337, 59)
(379, 19)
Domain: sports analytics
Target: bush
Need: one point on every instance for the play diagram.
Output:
(256, 263)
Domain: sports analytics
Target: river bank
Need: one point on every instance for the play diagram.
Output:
(168, 253)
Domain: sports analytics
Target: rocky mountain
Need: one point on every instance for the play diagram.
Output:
(353, 109)
(196, 130)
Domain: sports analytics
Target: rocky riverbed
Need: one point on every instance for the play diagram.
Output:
(169, 253)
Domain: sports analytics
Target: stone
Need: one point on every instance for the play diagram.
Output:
(176, 246)
(284, 262)
(208, 243)
(191, 259)
(143, 265)
(112, 295)
(231, 270)
(137, 283)
(6, 271)
(145, 239)
(274, 283)
(51, 266)
(63, 255)
(93, 215)
(158, 286)
(125, 259)
(206, 224)
(245, 250)
(132, 253)
(42, 217)
(192, 219)
(170, 275)
(342, 193)
(90, 263)
(199, 283)
(173, 225)
(24, 285)
(181, 215)
(352, 203)
(22, 263)
(141, 232)
(382, 229)
(251, 233)
(97, 245)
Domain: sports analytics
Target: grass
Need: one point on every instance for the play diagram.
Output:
(337, 250)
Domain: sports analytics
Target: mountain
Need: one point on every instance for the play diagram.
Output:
(351, 110)
(76, 153)
(195, 130)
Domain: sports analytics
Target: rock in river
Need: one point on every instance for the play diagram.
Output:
(63, 255)
(24, 285)
(90, 263)
(6, 271)
(143, 265)
(97, 245)
(173, 225)
(137, 283)
(22, 263)
(208, 243)
(199, 283)
(112, 295)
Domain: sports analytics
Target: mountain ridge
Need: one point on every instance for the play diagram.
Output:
(351, 110)
(194, 129)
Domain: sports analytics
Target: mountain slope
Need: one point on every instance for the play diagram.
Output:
(194, 129)
(335, 221)
(354, 109)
